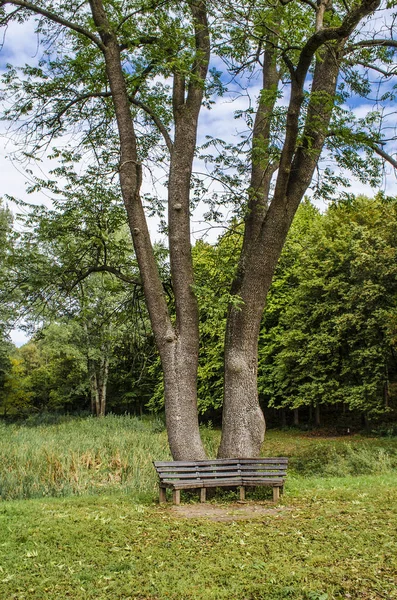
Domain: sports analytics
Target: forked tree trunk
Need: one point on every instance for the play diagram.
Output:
(266, 228)
(177, 344)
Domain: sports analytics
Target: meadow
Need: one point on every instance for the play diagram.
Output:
(79, 519)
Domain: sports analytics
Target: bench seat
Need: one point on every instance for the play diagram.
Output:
(234, 472)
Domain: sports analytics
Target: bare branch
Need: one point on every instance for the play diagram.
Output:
(56, 19)
(308, 2)
(370, 43)
(160, 125)
(384, 155)
(353, 63)
(104, 269)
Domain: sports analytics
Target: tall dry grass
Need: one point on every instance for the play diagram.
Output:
(74, 456)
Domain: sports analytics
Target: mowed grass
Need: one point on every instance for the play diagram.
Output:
(333, 538)
(84, 520)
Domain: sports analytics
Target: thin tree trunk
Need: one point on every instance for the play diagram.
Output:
(94, 394)
(296, 417)
(317, 415)
(103, 380)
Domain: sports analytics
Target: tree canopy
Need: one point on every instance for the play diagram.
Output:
(126, 82)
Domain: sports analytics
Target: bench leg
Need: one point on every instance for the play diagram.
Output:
(242, 493)
(203, 494)
(276, 494)
(176, 496)
(162, 495)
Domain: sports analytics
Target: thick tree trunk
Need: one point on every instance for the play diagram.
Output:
(266, 229)
(177, 344)
(180, 390)
(243, 423)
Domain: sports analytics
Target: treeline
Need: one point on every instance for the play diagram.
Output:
(327, 347)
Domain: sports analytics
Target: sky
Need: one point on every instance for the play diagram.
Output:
(21, 47)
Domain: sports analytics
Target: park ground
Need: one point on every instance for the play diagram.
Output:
(79, 519)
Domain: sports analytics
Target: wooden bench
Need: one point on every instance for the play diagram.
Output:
(225, 472)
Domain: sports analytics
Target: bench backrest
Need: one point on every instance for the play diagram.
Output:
(223, 468)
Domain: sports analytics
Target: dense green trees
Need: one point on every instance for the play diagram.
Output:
(334, 340)
(75, 267)
(328, 331)
(327, 339)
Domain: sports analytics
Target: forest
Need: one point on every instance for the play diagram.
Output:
(327, 345)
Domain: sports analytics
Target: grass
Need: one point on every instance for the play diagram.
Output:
(95, 456)
(84, 522)
(335, 539)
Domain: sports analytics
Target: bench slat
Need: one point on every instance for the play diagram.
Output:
(199, 483)
(246, 467)
(220, 475)
(220, 461)
(195, 483)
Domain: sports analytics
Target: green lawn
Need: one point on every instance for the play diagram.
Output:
(333, 537)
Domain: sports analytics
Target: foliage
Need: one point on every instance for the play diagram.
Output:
(333, 341)
(6, 313)
(123, 80)
(76, 267)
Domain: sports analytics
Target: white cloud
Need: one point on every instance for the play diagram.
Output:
(19, 337)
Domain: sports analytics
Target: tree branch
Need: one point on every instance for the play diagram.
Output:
(104, 269)
(369, 43)
(308, 2)
(353, 63)
(160, 125)
(351, 20)
(56, 19)
(374, 145)
(384, 155)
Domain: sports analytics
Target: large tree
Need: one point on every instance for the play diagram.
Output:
(128, 63)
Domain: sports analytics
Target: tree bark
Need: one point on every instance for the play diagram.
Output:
(178, 345)
(93, 388)
(243, 426)
(317, 415)
(103, 380)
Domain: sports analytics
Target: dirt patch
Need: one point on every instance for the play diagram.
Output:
(238, 511)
